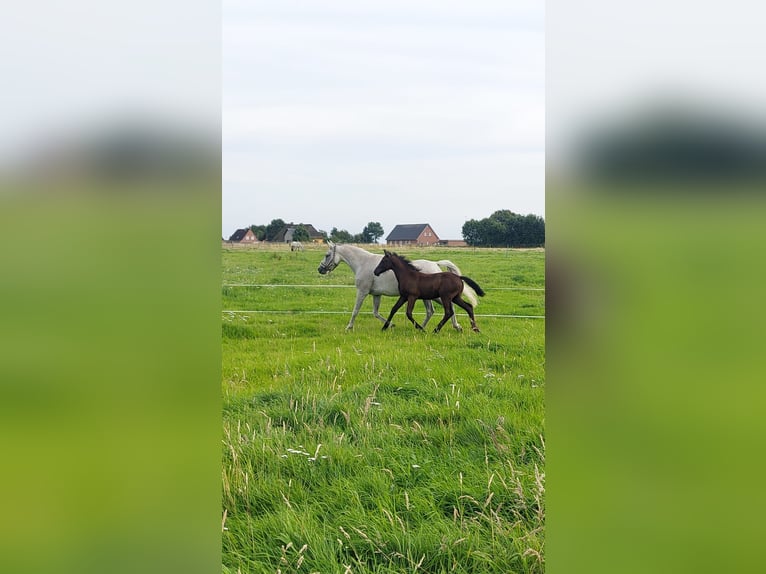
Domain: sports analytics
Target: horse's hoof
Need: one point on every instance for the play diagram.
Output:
(475, 330)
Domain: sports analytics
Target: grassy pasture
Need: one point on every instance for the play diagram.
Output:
(371, 451)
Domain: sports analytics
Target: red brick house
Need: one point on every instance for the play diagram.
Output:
(412, 234)
(243, 236)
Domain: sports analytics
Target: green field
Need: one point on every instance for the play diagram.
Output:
(372, 451)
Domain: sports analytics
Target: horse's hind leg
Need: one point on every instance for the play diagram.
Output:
(469, 309)
(455, 324)
(449, 311)
(429, 311)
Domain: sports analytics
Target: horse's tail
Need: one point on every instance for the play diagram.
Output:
(468, 291)
(451, 267)
(473, 285)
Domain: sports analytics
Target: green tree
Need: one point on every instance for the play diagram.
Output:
(259, 230)
(340, 236)
(301, 234)
(534, 230)
(372, 232)
(505, 228)
(472, 233)
(273, 228)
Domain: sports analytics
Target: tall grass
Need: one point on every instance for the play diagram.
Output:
(371, 451)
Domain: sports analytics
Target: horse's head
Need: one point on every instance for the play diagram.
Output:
(331, 259)
(385, 264)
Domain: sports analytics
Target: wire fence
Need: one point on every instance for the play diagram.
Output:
(304, 312)
(328, 286)
(354, 286)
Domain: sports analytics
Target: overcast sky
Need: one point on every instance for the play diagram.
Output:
(398, 112)
(70, 68)
(705, 56)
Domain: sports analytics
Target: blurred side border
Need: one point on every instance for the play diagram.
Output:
(655, 208)
(110, 299)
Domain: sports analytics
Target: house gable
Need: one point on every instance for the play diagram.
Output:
(412, 234)
(245, 235)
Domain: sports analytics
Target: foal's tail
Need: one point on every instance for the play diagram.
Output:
(473, 285)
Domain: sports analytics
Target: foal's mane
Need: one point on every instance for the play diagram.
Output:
(407, 263)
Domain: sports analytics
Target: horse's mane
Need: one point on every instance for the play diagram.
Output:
(407, 262)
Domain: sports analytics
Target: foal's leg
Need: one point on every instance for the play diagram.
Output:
(449, 311)
(410, 306)
(394, 309)
(430, 304)
(469, 309)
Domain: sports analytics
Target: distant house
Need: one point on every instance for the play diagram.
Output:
(243, 236)
(285, 235)
(412, 234)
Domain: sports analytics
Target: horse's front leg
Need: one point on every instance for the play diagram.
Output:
(360, 295)
(394, 309)
(376, 308)
(410, 307)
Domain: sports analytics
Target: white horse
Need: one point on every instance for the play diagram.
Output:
(363, 263)
(296, 246)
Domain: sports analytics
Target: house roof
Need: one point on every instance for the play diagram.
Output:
(312, 230)
(239, 234)
(313, 233)
(409, 231)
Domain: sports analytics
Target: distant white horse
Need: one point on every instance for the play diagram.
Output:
(363, 263)
(296, 246)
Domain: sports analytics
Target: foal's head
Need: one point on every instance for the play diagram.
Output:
(393, 261)
(384, 265)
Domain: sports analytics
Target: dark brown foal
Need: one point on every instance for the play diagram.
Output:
(414, 285)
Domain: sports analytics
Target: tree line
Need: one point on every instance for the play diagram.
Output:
(503, 228)
(370, 234)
